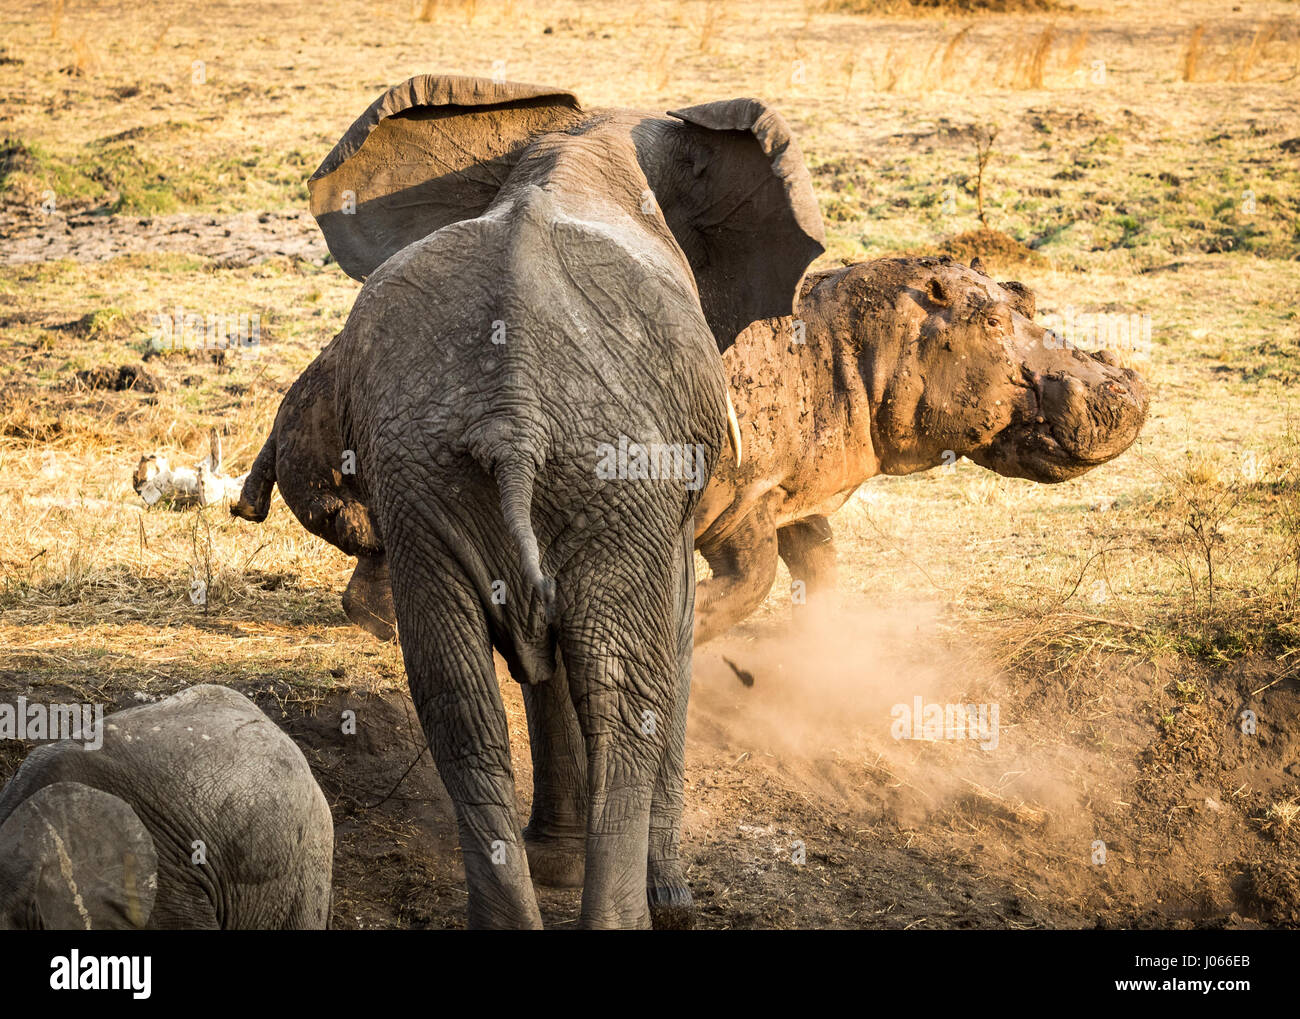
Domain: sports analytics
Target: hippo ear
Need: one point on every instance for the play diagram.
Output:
(431, 151)
(1020, 297)
(743, 211)
(81, 859)
(938, 293)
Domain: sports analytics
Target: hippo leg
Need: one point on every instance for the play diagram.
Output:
(807, 548)
(744, 567)
(556, 836)
(368, 600)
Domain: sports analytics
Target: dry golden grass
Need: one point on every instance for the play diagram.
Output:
(1270, 51)
(1192, 55)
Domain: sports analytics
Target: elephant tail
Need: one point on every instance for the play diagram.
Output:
(514, 477)
(255, 497)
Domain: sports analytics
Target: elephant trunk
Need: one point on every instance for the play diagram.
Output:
(255, 497)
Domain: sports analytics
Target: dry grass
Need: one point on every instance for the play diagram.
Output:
(1032, 66)
(1270, 51)
(1193, 54)
(1088, 599)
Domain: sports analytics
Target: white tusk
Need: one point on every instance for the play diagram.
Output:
(733, 428)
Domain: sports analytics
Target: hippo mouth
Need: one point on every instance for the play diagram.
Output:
(1066, 424)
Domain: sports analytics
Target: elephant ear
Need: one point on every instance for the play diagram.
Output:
(747, 217)
(80, 859)
(431, 151)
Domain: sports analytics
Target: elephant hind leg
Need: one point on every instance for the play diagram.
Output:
(625, 693)
(744, 567)
(669, 894)
(556, 835)
(448, 657)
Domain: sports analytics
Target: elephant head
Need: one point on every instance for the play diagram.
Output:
(75, 858)
(956, 366)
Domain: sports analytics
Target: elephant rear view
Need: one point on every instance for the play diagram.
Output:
(196, 812)
(531, 387)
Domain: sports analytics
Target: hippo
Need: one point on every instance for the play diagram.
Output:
(892, 366)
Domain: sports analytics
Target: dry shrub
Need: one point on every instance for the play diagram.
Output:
(849, 67)
(1193, 53)
(85, 60)
(1244, 59)
(890, 71)
(162, 34)
(1074, 55)
(1032, 66)
(948, 61)
(659, 67)
(708, 26)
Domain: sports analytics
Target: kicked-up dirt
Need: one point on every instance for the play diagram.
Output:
(1125, 797)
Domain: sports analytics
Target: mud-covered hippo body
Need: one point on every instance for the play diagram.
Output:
(900, 365)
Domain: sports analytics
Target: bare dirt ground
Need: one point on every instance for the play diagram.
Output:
(1146, 161)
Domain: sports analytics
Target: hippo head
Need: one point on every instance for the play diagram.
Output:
(954, 365)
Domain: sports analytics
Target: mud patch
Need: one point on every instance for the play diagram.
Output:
(118, 379)
(995, 248)
(1271, 890)
(230, 241)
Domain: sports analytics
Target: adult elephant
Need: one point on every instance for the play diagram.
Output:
(530, 390)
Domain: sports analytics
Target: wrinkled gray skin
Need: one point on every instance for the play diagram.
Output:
(614, 254)
(906, 364)
(103, 838)
(304, 454)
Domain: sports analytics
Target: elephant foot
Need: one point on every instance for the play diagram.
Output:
(556, 861)
(368, 599)
(672, 907)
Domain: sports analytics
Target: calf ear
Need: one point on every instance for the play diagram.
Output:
(84, 858)
(431, 151)
(743, 211)
(1021, 298)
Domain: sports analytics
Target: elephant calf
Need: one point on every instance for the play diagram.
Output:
(196, 812)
